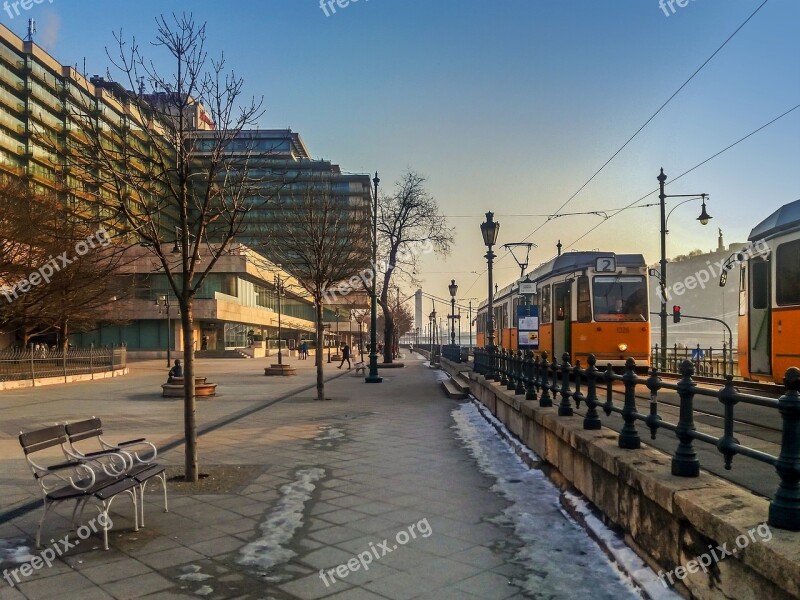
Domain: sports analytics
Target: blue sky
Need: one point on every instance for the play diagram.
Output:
(510, 105)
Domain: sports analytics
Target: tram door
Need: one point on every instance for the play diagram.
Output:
(561, 320)
(759, 302)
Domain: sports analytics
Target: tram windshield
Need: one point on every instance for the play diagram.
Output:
(619, 298)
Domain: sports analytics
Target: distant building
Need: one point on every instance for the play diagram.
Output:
(693, 284)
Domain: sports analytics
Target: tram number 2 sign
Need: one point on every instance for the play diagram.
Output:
(606, 264)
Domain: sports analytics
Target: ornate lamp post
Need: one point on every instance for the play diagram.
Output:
(489, 230)
(279, 292)
(453, 289)
(373, 333)
(704, 218)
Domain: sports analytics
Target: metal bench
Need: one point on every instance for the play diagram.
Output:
(359, 366)
(140, 467)
(99, 479)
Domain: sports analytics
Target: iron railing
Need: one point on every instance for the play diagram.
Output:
(708, 362)
(549, 382)
(16, 365)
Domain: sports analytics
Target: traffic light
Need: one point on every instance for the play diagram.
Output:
(676, 314)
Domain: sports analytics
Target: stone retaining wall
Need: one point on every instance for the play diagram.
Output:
(670, 521)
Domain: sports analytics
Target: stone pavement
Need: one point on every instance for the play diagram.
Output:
(295, 486)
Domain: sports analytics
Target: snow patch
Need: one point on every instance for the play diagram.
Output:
(14, 550)
(557, 554)
(280, 526)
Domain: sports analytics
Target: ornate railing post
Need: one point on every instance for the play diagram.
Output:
(520, 389)
(565, 406)
(685, 462)
(608, 378)
(545, 400)
(512, 370)
(578, 373)
(502, 369)
(591, 420)
(653, 419)
(629, 435)
(727, 396)
(530, 383)
(784, 510)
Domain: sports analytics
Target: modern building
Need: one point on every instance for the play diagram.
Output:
(38, 100)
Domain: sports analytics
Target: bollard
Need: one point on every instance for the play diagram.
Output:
(685, 462)
(784, 510)
(629, 435)
(565, 407)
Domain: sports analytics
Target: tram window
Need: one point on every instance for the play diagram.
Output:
(620, 298)
(515, 313)
(742, 292)
(787, 279)
(584, 300)
(545, 307)
(760, 283)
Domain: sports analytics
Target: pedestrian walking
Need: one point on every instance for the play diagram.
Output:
(345, 357)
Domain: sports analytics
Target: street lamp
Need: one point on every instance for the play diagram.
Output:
(489, 230)
(279, 286)
(373, 333)
(704, 218)
(453, 289)
(164, 300)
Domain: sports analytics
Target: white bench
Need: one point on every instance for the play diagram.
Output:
(360, 366)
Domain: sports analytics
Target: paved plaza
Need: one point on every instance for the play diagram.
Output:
(373, 487)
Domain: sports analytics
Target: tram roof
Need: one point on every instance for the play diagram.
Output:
(575, 261)
(787, 217)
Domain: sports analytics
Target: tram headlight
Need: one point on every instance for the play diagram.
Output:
(622, 347)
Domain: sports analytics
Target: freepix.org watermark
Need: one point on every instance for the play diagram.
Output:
(716, 554)
(329, 6)
(363, 280)
(713, 271)
(53, 265)
(13, 8)
(669, 5)
(376, 552)
(56, 549)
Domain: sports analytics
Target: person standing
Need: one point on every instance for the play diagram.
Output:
(345, 357)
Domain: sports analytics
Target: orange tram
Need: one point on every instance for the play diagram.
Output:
(769, 296)
(587, 303)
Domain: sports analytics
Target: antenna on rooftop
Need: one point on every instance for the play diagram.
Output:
(31, 30)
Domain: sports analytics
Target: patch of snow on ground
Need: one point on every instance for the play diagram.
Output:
(623, 554)
(14, 550)
(509, 437)
(280, 526)
(561, 560)
(441, 375)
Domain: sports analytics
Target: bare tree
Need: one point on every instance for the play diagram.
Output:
(323, 240)
(58, 271)
(409, 224)
(167, 184)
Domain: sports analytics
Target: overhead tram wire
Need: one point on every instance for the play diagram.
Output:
(615, 212)
(653, 116)
(674, 179)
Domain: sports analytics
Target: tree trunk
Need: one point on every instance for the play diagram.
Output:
(388, 329)
(64, 335)
(318, 354)
(189, 403)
